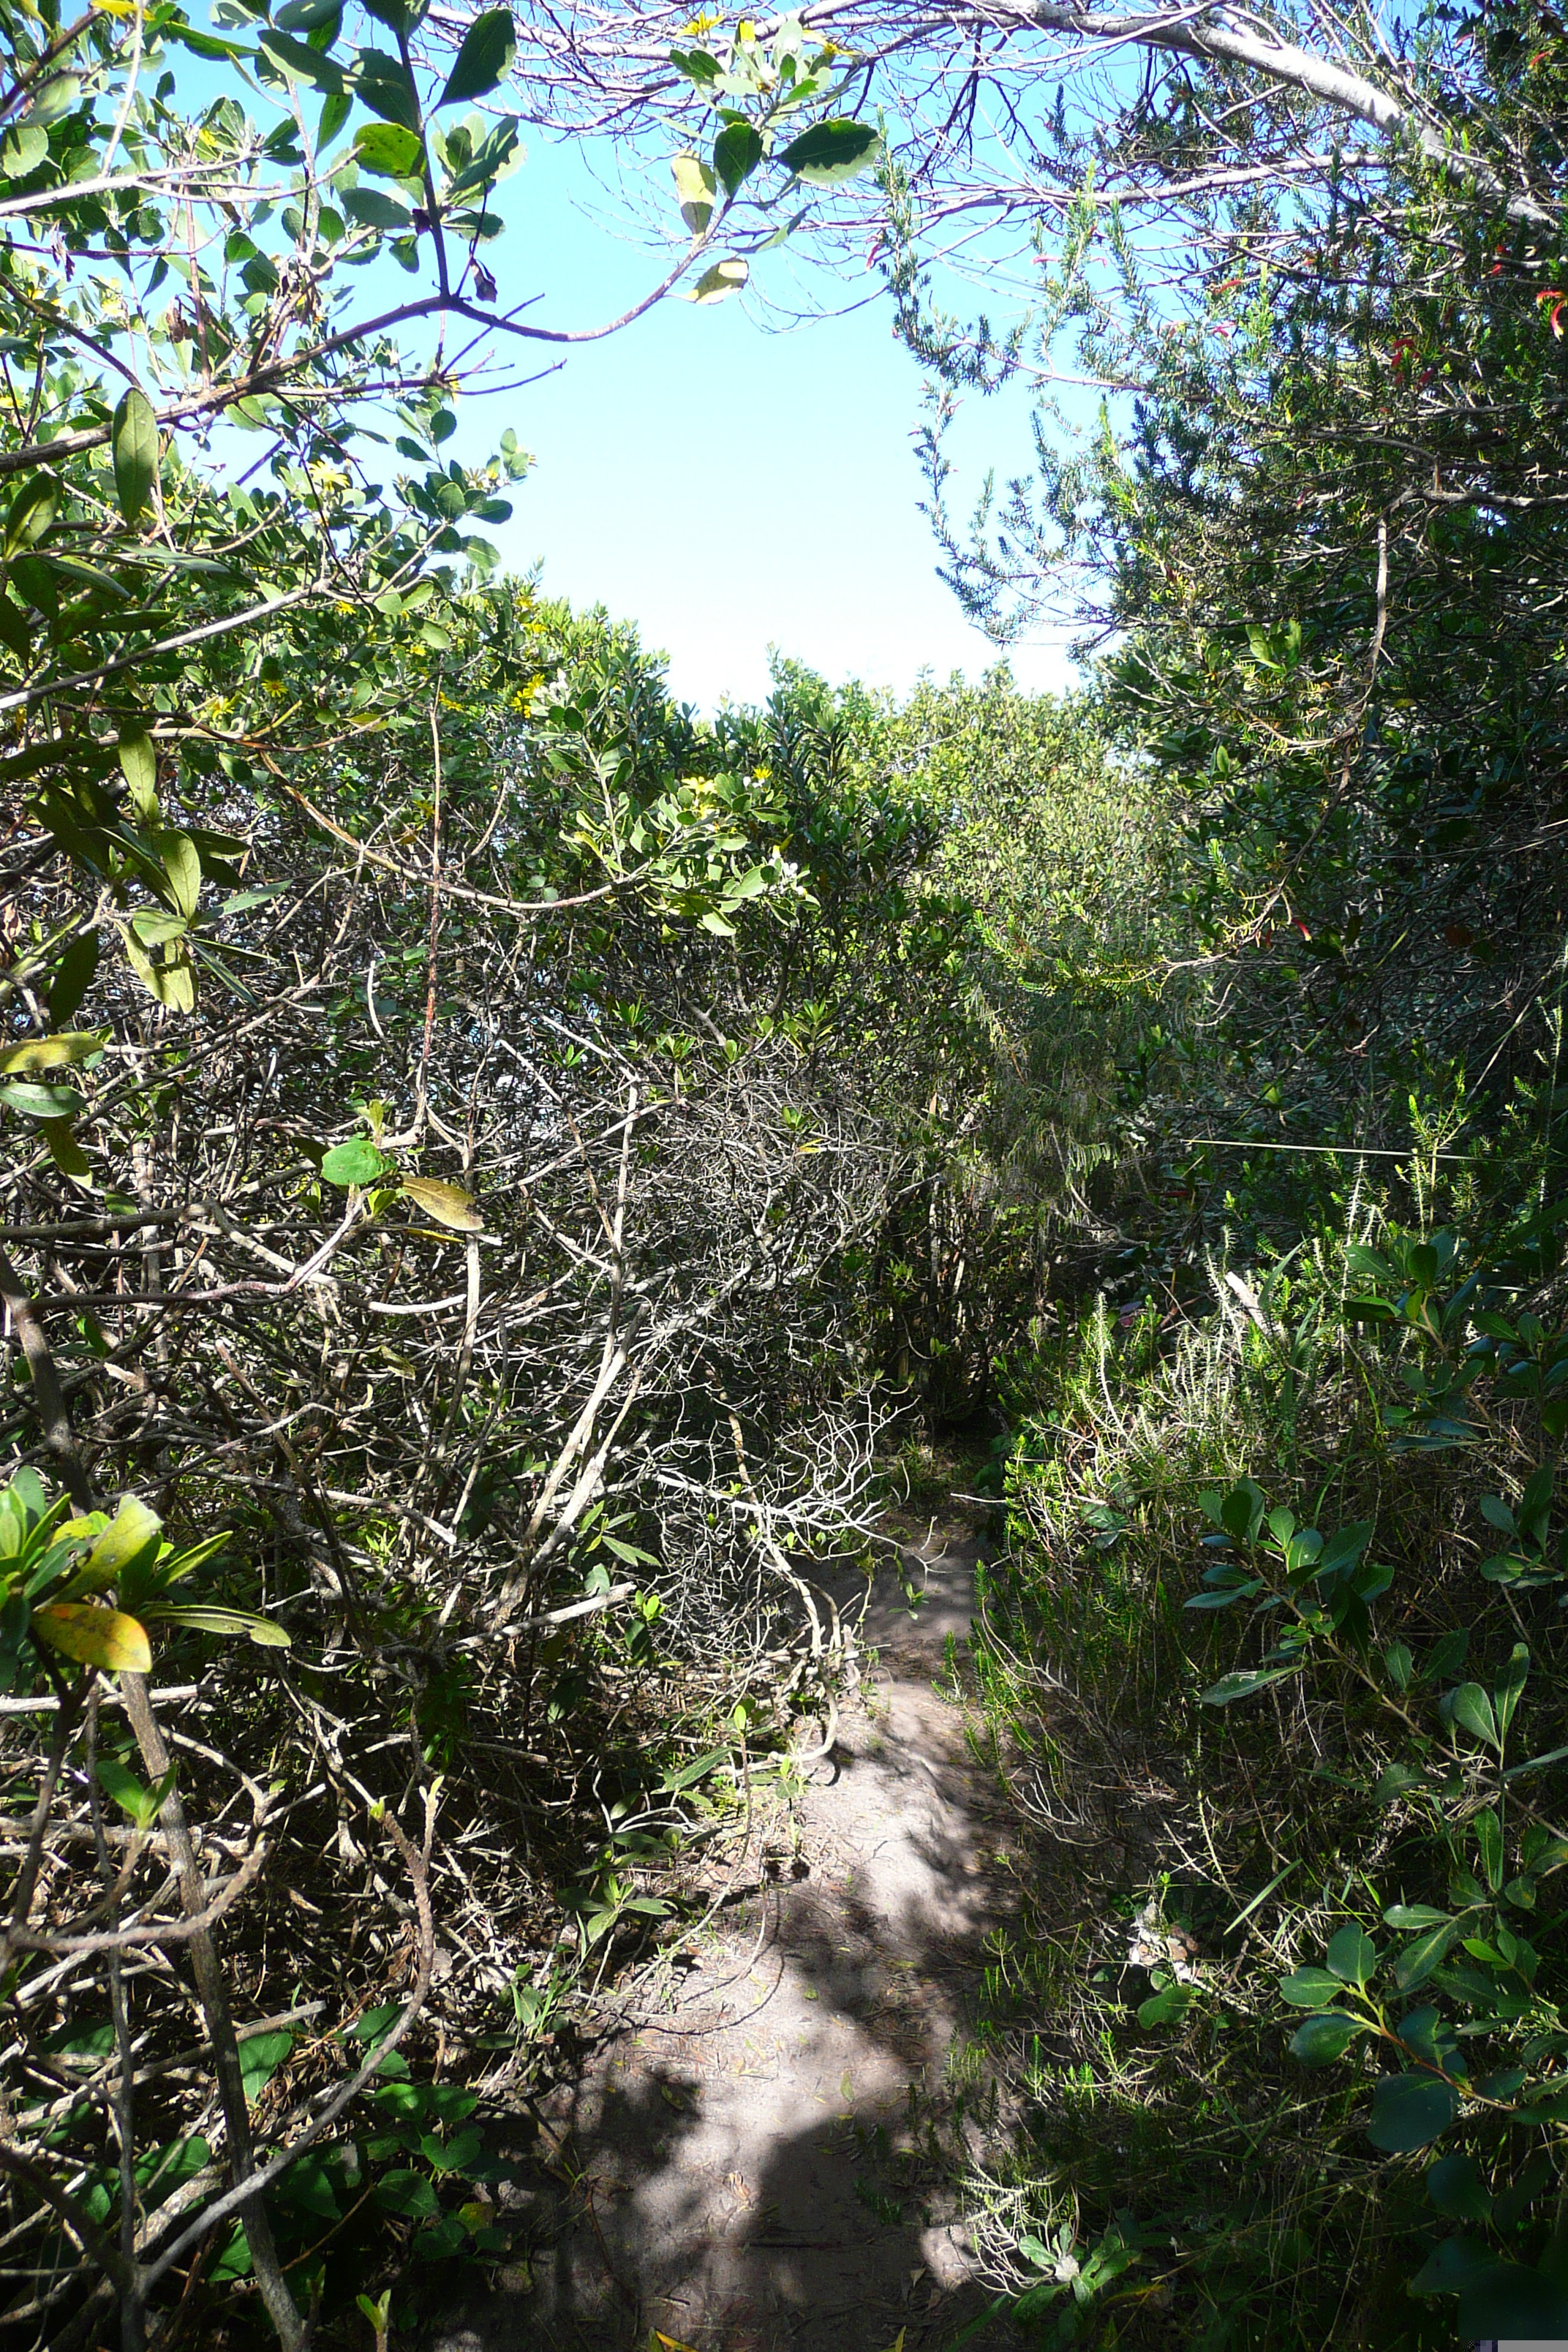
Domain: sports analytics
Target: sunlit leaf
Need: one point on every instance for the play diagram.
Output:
(833, 151)
(358, 1161)
(447, 1203)
(135, 443)
(94, 1635)
(485, 58)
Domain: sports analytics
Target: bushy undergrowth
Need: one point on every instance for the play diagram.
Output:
(1271, 1662)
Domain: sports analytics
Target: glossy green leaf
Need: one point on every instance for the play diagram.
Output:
(1488, 1831)
(1351, 1956)
(374, 208)
(485, 58)
(296, 61)
(1311, 1988)
(133, 442)
(357, 1161)
(198, 1618)
(259, 2058)
(408, 2193)
(1410, 2111)
(737, 151)
(30, 1100)
(141, 1805)
(1457, 2263)
(1231, 1687)
(1473, 1709)
(183, 865)
(833, 151)
(139, 765)
(32, 512)
(1510, 1686)
(1318, 2040)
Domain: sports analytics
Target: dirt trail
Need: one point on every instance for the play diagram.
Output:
(749, 2167)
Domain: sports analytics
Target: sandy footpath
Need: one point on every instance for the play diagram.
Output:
(746, 2164)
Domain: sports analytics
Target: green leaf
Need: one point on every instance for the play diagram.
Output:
(1352, 1956)
(133, 440)
(260, 2059)
(389, 151)
(408, 2193)
(1318, 2040)
(1471, 1707)
(1455, 2187)
(376, 2022)
(356, 1163)
(31, 513)
(142, 1805)
(1457, 2261)
(139, 766)
(1488, 1842)
(1410, 2111)
(94, 1636)
(132, 1533)
(58, 98)
(184, 868)
(374, 208)
(737, 151)
(1509, 2300)
(1311, 1987)
(73, 976)
(1230, 1687)
(485, 58)
(199, 1618)
(1405, 1915)
(833, 151)
(1510, 1686)
(16, 630)
(23, 151)
(1241, 1511)
(30, 1100)
(63, 1148)
(1167, 2007)
(59, 1052)
(296, 61)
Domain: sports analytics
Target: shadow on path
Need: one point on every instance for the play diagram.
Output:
(755, 2171)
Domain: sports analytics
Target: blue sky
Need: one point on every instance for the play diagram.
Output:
(727, 486)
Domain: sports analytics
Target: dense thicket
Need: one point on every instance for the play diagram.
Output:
(1275, 1649)
(496, 1168)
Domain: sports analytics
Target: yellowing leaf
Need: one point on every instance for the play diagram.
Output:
(51, 1053)
(695, 191)
(715, 285)
(64, 1149)
(94, 1635)
(130, 1533)
(447, 1203)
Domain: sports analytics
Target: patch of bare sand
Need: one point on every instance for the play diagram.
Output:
(753, 2167)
